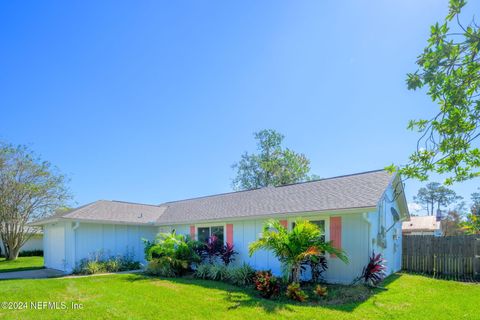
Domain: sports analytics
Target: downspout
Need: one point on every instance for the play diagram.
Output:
(369, 224)
(75, 226)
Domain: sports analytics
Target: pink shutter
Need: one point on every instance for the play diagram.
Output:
(192, 232)
(336, 232)
(230, 233)
(284, 223)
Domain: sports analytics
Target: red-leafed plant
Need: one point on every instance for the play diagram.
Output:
(266, 283)
(212, 248)
(227, 253)
(375, 271)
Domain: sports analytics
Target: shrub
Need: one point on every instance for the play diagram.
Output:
(374, 272)
(31, 253)
(218, 272)
(320, 291)
(92, 267)
(318, 265)
(227, 253)
(160, 267)
(294, 292)
(242, 275)
(266, 283)
(175, 250)
(211, 250)
(202, 271)
(99, 263)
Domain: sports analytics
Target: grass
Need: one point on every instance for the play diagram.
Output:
(134, 296)
(22, 263)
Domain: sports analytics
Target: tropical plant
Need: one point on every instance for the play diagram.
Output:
(218, 272)
(242, 275)
(172, 249)
(267, 284)
(211, 250)
(161, 267)
(294, 292)
(318, 265)
(294, 247)
(202, 271)
(227, 253)
(375, 271)
(320, 291)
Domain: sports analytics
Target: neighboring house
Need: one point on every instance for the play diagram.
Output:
(35, 242)
(359, 213)
(424, 225)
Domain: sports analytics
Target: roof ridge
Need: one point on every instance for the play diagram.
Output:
(285, 185)
(129, 202)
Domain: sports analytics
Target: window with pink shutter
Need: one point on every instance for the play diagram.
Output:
(336, 232)
(230, 233)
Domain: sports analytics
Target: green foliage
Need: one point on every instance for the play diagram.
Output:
(472, 224)
(435, 195)
(294, 292)
(99, 263)
(31, 253)
(295, 247)
(218, 272)
(272, 166)
(162, 267)
(203, 271)
(30, 188)
(241, 276)
(267, 284)
(450, 68)
(171, 253)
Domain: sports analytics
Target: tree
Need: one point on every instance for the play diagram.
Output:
(450, 68)
(434, 195)
(475, 207)
(295, 247)
(472, 223)
(29, 189)
(452, 223)
(272, 166)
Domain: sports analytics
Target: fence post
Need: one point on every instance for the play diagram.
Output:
(476, 258)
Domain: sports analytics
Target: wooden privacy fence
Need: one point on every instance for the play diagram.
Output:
(456, 257)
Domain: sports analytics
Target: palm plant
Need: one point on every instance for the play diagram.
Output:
(172, 249)
(294, 247)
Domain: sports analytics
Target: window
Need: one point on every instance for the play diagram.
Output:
(205, 232)
(319, 223)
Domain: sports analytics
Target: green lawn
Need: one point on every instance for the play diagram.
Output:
(130, 296)
(22, 263)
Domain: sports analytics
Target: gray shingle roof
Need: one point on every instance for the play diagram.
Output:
(111, 211)
(346, 192)
(360, 190)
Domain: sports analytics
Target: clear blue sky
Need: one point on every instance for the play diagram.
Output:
(150, 101)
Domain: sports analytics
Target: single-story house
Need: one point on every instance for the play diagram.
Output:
(359, 213)
(422, 225)
(34, 243)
